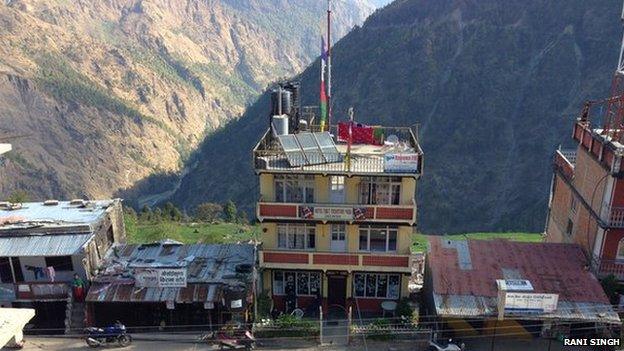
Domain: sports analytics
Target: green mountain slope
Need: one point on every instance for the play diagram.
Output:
(494, 85)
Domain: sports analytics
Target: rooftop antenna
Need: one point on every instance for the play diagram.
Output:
(349, 141)
(329, 44)
(614, 117)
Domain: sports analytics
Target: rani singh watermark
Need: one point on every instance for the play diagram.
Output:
(591, 342)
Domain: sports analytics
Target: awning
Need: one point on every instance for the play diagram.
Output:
(12, 321)
(207, 294)
(43, 245)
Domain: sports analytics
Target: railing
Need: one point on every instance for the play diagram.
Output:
(269, 156)
(605, 267)
(563, 165)
(336, 212)
(287, 259)
(41, 290)
(569, 154)
(616, 217)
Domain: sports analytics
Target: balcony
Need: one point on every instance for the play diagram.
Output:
(615, 217)
(605, 267)
(405, 159)
(351, 261)
(36, 291)
(564, 162)
(336, 212)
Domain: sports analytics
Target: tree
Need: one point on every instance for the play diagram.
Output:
(18, 196)
(171, 212)
(611, 288)
(146, 214)
(208, 212)
(230, 212)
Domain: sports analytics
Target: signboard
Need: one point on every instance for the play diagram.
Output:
(522, 302)
(160, 277)
(401, 163)
(333, 213)
(514, 285)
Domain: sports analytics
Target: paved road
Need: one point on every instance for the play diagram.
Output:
(185, 343)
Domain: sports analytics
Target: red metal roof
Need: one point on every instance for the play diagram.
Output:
(550, 267)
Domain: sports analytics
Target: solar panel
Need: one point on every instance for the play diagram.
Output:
(292, 150)
(328, 147)
(310, 148)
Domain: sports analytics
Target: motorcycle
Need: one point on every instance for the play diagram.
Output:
(434, 346)
(103, 336)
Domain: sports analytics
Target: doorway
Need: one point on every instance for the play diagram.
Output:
(338, 241)
(336, 290)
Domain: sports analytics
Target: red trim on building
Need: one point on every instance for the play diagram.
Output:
(285, 257)
(394, 213)
(335, 259)
(386, 261)
(276, 210)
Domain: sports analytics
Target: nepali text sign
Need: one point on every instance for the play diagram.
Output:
(401, 163)
(333, 213)
(161, 278)
(521, 302)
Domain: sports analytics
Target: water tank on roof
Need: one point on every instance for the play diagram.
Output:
(280, 124)
(276, 101)
(287, 106)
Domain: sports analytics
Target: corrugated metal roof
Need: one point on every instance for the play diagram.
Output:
(36, 214)
(211, 269)
(43, 245)
(464, 290)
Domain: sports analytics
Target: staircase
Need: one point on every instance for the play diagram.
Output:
(74, 316)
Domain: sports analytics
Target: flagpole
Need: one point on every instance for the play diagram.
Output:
(329, 93)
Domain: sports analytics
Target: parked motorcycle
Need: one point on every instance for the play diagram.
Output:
(103, 336)
(434, 346)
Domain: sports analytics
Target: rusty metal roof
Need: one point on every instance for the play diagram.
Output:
(464, 274)
(211, 270)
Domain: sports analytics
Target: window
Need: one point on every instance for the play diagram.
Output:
(296, 236)
(620, 250)
(60, 263)
(573, 204)
(297, 283)
(385, 286)
(380, 190)
(378, 238)
(569, 227)
(338, 232)
(294, 188)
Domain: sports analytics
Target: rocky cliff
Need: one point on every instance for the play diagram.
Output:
(109, 92)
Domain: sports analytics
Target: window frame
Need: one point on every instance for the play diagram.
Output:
(309, 274)
(377, 277)
(303, 182)
(620, 247)
(369, 188)
(308, 231)
(388, 229)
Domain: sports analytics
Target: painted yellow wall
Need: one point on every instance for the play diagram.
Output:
(323, 237)
(353, 237)
(408, 190)
(405, 285)
(404, 240)
(267, 281)
(321, 189)
(269, 235)
(351, 189)
(267, 187)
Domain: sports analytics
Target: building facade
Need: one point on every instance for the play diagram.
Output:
(42, 246)
(587, 199)
(337, 232)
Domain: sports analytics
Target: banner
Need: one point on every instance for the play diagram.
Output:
(521, 302)
(401, 163)
(160, 277)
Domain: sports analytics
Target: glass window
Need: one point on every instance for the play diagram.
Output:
(297, 283)
(620, 250)
(294, 188)
(378, 238)
(338, 231)
(373, 285)
(380, 190)
(296, 236)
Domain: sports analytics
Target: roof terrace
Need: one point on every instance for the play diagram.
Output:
(375, 150)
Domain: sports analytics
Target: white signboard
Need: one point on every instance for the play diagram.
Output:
(522, 302)
(401, 163)
(160, 278)
(514, 285)
(338, 213)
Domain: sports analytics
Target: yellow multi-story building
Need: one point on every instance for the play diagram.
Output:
(337, 220)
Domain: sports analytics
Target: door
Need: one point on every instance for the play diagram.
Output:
(338, 241)
(337, 189)
(337, 290)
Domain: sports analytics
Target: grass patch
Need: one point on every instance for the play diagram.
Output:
(188, 233)
(420, 240)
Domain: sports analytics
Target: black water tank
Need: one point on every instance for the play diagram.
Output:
(276, 103)
(287, 107)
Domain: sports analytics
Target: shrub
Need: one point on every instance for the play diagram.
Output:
(208, 212)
